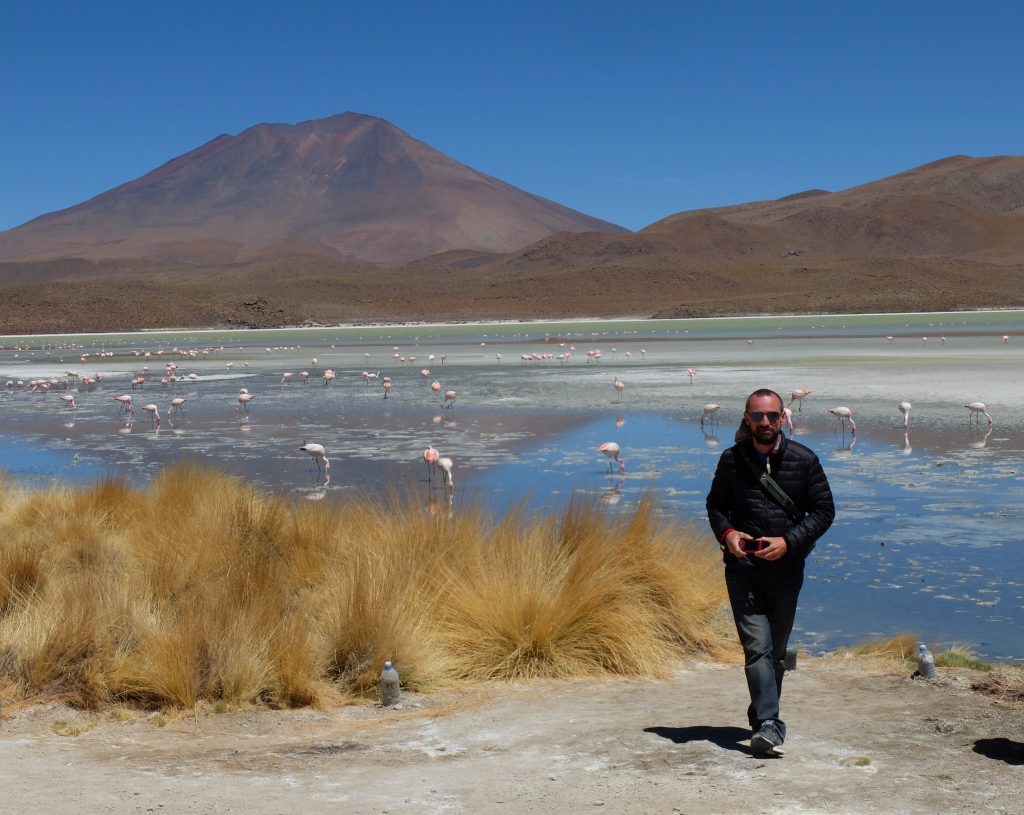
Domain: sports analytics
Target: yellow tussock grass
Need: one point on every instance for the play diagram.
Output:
(201, 589)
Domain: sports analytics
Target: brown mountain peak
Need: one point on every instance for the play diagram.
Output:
(348, 186)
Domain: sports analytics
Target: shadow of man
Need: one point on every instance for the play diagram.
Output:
(728, 738)
(1012, 752)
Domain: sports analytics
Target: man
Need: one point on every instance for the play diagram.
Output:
(765, 545)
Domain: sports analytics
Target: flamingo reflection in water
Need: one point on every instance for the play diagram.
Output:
(320, 491)
(612, 495)
(979, 444)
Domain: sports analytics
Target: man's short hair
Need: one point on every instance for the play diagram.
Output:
(763, 392)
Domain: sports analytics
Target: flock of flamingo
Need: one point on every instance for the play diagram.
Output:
(434, 460)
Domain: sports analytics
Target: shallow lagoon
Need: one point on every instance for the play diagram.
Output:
(929, 522)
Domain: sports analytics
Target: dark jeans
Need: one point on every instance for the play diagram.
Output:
(764, 608)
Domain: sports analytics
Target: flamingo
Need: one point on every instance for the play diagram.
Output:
(126, 403)
(176, 405)
(691, 372)
(138, 382)
(328, 377)
(612, 450)
(435, 387)
(154, 415)
(243, 402)
(798, 396)
(710, 410)
(446, 467)
(68, 400)
(904, 408)
(286, 378)
(430, 456)
(318, 454)
(787, 417)
(844, 414)
(449, 398)
(619, 386)
(386, 384)
(977, 409)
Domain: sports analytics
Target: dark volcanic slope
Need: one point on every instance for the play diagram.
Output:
(347, 187)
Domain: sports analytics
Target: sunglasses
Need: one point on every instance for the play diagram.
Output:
(758, 415)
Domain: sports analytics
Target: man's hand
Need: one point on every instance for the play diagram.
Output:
(776, 549)
(734, 542)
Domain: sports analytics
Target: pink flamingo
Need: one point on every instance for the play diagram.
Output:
(904, 408)
(798, 396)
(710, 410)
(844, 414)
(243, 402)
(977, 409)
(619, 386)
(612, 450)
(691, 372)
(318, 454)
(153, 414)
(176, 404)
(386, 384)
(449, 398)
(328, 377)
(138, 382)
(787, 417)
(431, 456)
(286, 378)
(68, 400)
(435, 387)
(126, 403)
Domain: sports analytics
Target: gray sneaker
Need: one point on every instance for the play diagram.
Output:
(767, 741)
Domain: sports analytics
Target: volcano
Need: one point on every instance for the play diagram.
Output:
(349, 187)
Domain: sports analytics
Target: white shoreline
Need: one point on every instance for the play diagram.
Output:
(545, 321)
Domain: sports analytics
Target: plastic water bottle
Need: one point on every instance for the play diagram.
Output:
(790, 662)
(925, 662)
(389, 685)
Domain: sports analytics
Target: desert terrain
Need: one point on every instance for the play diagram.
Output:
(863, 737)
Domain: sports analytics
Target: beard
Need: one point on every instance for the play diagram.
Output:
(765, 434)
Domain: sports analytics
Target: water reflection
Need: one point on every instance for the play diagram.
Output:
(978, 443)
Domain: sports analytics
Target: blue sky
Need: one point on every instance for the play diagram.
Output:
(628, 112)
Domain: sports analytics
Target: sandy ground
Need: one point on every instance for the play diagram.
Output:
(861, 741)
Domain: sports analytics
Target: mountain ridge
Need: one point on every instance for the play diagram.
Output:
(944, 236)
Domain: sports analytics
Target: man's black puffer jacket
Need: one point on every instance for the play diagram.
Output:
(736, 500)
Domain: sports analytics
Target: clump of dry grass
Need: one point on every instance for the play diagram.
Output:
(201, 588)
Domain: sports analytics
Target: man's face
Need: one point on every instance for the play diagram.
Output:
(763, 428)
